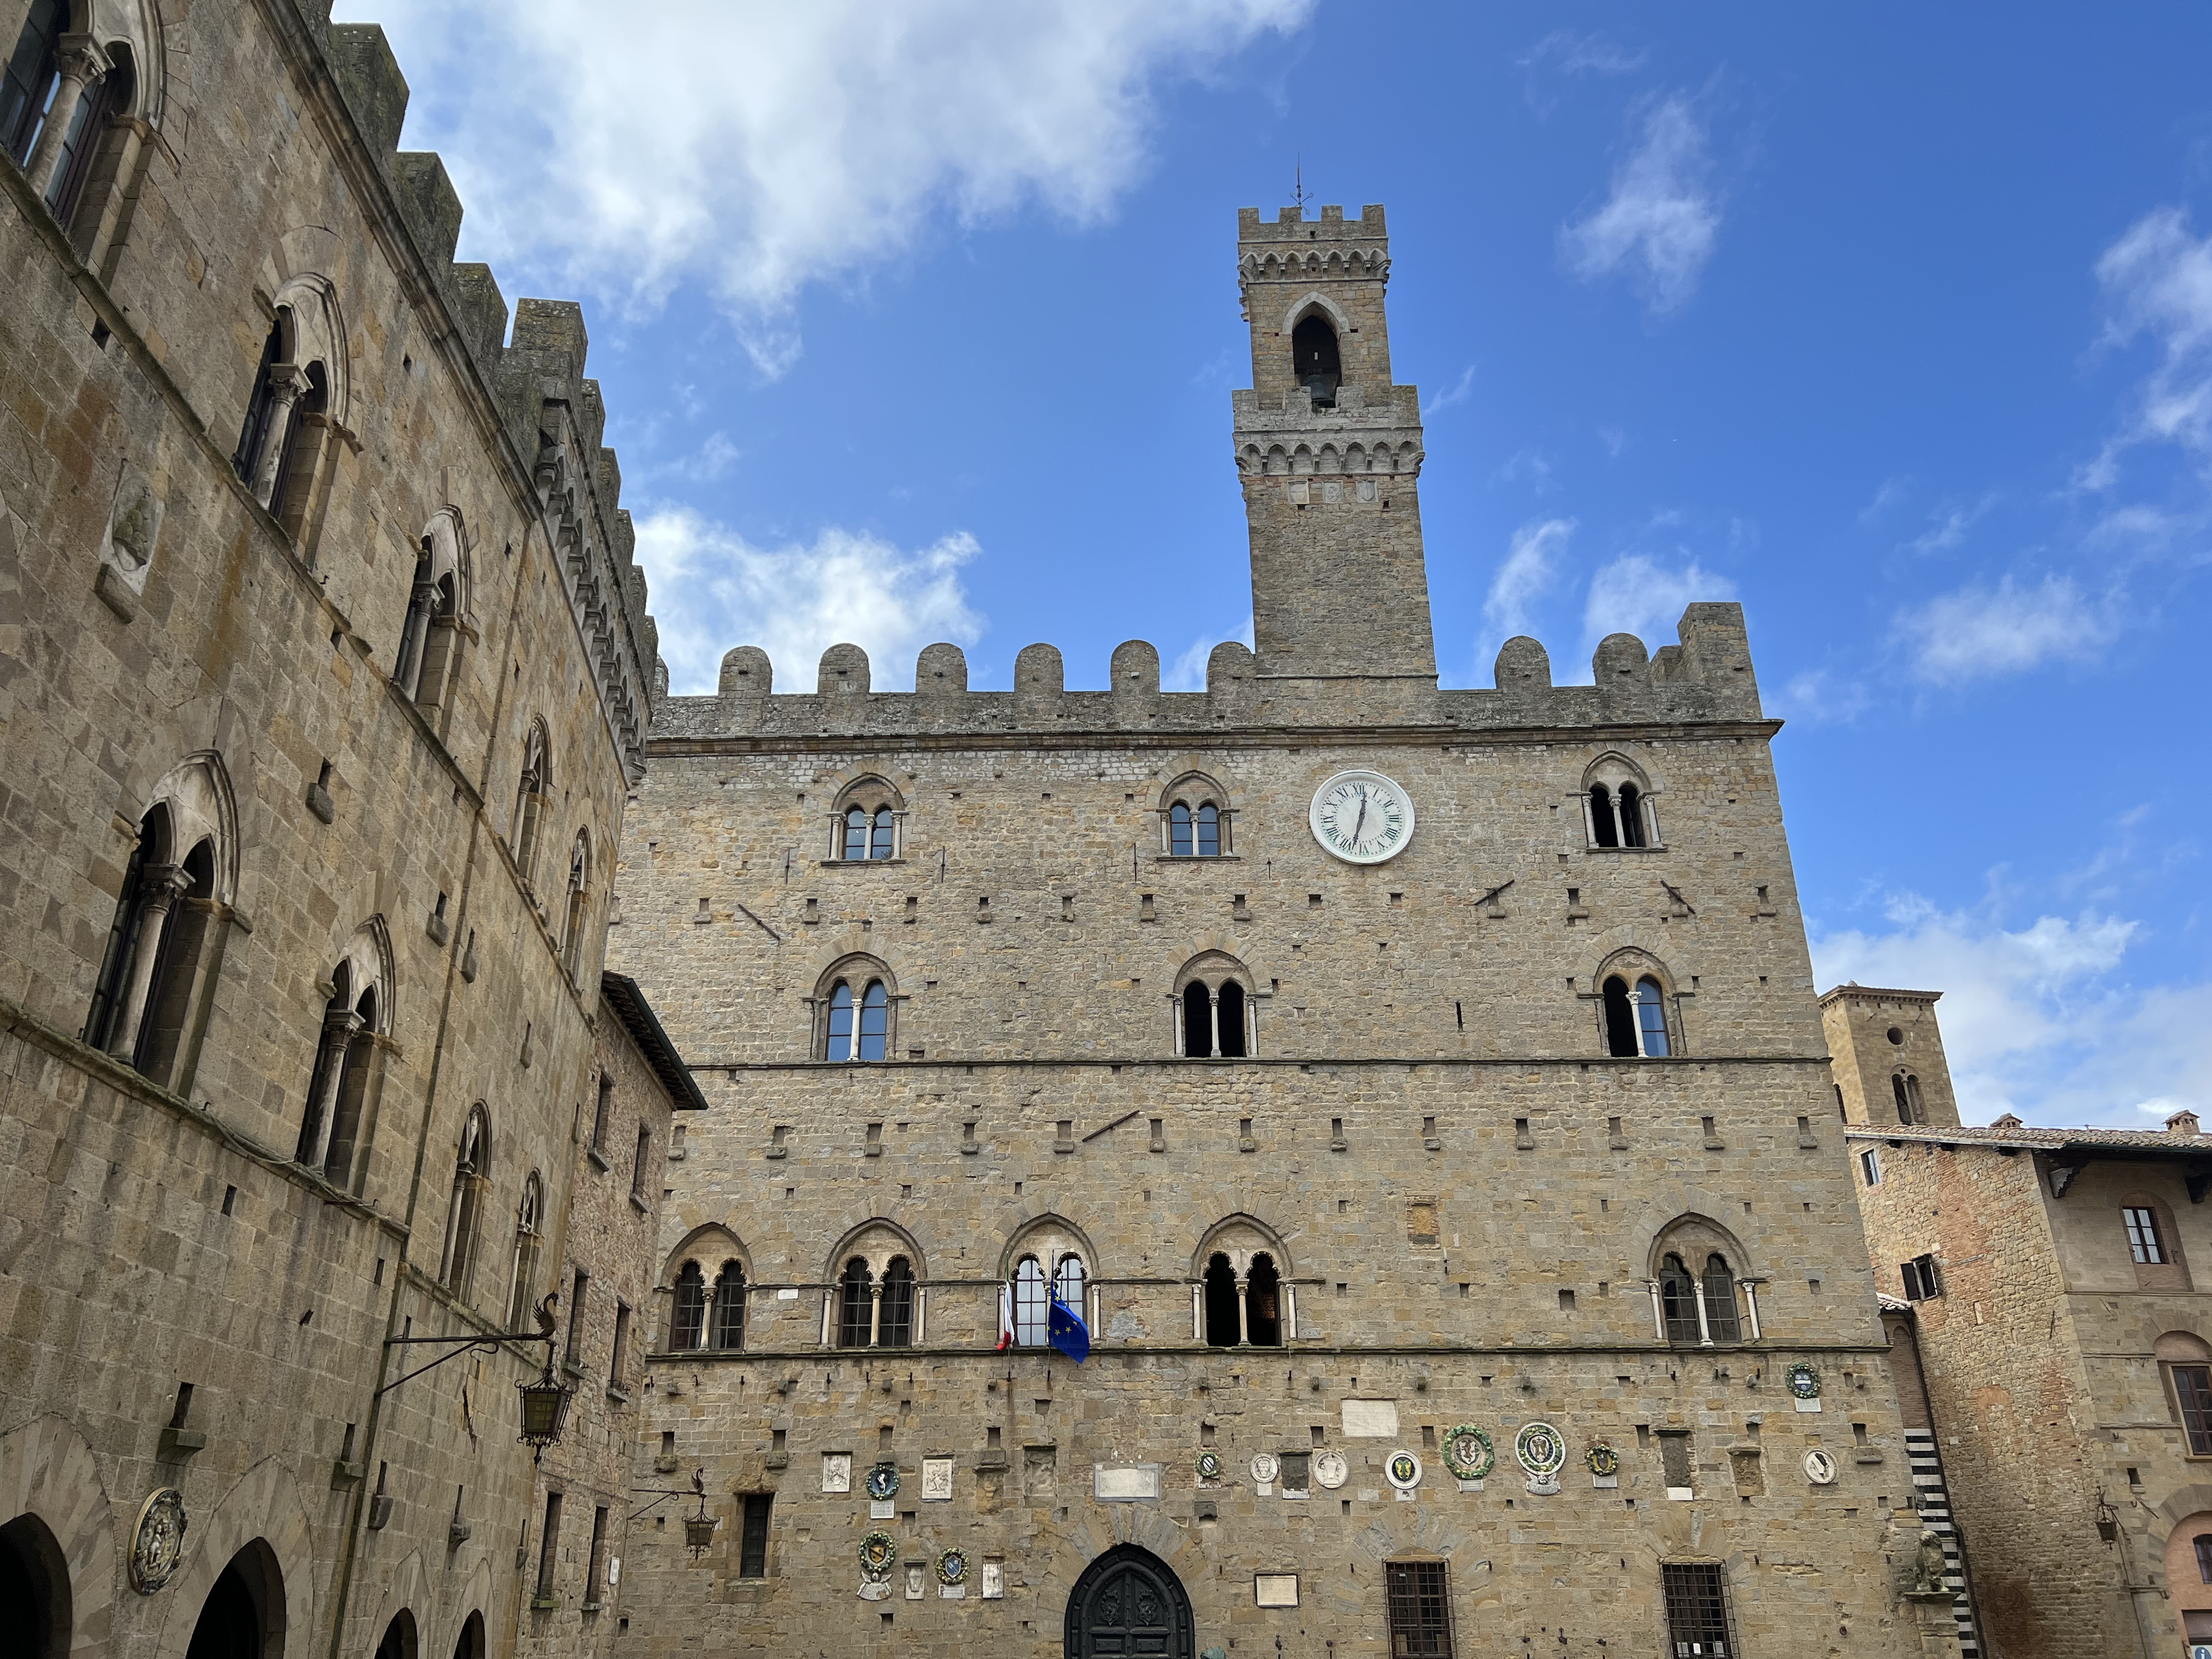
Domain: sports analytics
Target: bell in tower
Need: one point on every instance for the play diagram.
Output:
(1329, 450)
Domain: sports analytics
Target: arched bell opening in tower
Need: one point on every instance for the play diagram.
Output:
(1314, 359)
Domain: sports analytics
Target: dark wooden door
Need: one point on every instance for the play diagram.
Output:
(1127, 1605)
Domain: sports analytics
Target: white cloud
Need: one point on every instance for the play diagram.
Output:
(758, 149)
(1820, 697)
(2034, 1019)
(1532, 558)
(1661, 219)
(2157, 281)
(1949, 524)
(713, 589)
(1566, 53)
(1893, 491)
(1978, 632)
(1188, 671)
(1635, 594)
(1457, 394)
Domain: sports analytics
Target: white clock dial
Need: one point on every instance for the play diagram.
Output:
(1362, 816)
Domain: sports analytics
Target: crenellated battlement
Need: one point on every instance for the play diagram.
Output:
(553, 416)
(1706, 676)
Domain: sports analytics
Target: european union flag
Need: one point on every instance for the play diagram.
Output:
(1066, 1332)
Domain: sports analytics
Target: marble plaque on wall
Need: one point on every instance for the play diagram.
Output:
(1371, 1419)
(1122, 1483)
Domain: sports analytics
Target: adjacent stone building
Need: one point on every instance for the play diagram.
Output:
(2052, 1346)
(1419, 1096)
(325, 673)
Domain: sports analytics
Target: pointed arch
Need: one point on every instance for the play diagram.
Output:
(533, 790)
(345, 1084)
(260, 1526)
(1128, 1601)
(49, 1478)
(1240, 1238)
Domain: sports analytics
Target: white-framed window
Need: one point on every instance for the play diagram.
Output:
(1871, 1167)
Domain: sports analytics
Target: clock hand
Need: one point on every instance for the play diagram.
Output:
(1361, 821)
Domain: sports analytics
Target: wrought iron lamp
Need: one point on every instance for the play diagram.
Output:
(699, 1529)
(2108, 1521)
(544, 1398)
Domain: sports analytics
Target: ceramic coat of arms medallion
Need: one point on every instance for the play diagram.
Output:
(1265, 1467)
(157, 1544)
(878, 1553)
(1330, 1469)
(1403, 1471)
(884, 1482)
(1468, 1452)
(1603, 1463)
(952, 1568)
(1804, 1383)
(1820, 1468)
(1209, 1466)
(1543, 1453)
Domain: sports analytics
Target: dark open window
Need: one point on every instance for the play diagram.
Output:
(32, 78)
(1922, 1282)
(597, 1560)
(1230, 1016)
(895, 1320)
(1631, 816)
(1620, 1019)
(548, 1546)
(2192, 1391)
(1678, 1294)
(1314, 359)
(854, 1322)
(1697, 1612)
(1602, 823)
(687, 1325)
(1419, 1610)
(2205, 1557)
(1221, 1322)
(1263, 1323)
(753, 1541)
(1197, 1021)
(728, 1333)
(260, 410)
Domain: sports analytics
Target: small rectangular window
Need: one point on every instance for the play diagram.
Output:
(598, 1558)
(549, 1553)
(1419, 1610)
(2192, 1391)
(602, 1113)
(637, 1168)
(1871, 1167)
(752, 1545)
(576, 1353)
(1697, 1611)
(1922, 1282)
(2142, 1234)
(2205, 1557)
(622, 1344)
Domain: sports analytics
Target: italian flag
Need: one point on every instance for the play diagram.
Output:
(1006, 1317)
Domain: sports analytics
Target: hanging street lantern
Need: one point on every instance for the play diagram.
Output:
(699, 1529)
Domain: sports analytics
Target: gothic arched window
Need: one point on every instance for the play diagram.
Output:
(687, 1319)
(1604, 827)
(864, 1037)
(728, 1330)
(894, 1316)
(1263, 1317)
(1315, 363)
(1631, 805)
(1224, 1326)
(572, 924)
(472, 1179)
(1215, 1012)
(1677, 1302)
(867, 821)
(856, 1311)
(1634, 1018)
(524, 1278)
(1721, 1321)
(1032, 1306)
(31, 77)
(529, 793)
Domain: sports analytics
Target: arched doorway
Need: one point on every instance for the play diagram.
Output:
(1128, 1602)
(34, 1590)
(243, 1617)
(398, 1641)
(471, 1644)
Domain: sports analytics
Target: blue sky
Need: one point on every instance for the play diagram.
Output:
(1895, 325)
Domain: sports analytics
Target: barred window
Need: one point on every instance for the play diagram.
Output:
(1697, 1612)
(1419, 1609)
(2142, 1234)
(752, 1543)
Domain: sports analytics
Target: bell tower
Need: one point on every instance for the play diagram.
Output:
(1329, 450)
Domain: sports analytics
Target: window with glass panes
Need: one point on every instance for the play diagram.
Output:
(2142, 1234)
(2192, 1392)
(1697, 1612)
(2205, 1557)
(1419, 1610)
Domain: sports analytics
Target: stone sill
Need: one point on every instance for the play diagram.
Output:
(1631, 851)
(638, 1204)
(620, 1395)
(861, 864)
(598, 1159)
(1198, 857)
(544, 1604)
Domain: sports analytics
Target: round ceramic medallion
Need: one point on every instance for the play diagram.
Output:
(952, 1567)
(1403, 1471)
(884, 1481)
(1265, 1467)
(1330, 1469)
(877, 1551)
(157, 1544)
(1820, 1468)
(1362, 816)
(1804, 1381)
(1540, 1449)
(1602, 1460)
(1209, 1466)
(1468, 1452)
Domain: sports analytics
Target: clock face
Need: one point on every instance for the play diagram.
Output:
(1362, 816)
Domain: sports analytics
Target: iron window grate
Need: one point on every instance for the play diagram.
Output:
(1697, 1612)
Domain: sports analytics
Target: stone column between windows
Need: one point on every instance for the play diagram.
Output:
(1698, 1295)
(286, 382)
(875, 1311)
(1290, 1312)
(828, 1297)
(1213, 1025)
(162, 884)
(338, 1028)
(921, 1315)
(1751, 1303)
(80, 63)
(1658, 1310)
(1243, 1325)
(1198, 1312)
(415, 644)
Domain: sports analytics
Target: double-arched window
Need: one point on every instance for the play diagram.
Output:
(73, 111)
(1243, 1310)
(341, 1103)
(471, 1181)
(853, 1008)
(1636, 1017)
(866, 826)
(1032, 1302)
(876, 1311)
(1702, 1310)
(705, 1319)
(531, 792)
(1214, 998)
(868, 835)
(1195, 816)
(572, 922)
(1906, 1088)
(428, 663)
(527, 1238)
(1617, 797)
